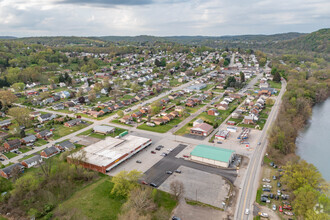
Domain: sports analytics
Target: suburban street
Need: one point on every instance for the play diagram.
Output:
(250, 183)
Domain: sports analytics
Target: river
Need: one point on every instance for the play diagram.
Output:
(313, 143)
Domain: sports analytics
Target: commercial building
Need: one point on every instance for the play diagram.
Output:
(212, 155)
(109, 153)
(222, 134)
(202, 129)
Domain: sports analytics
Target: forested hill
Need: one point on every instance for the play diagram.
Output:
(317, 41)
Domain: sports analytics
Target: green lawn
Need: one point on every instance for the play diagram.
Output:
(274, 85)
(10, 155)
(102, 136)
(116, 121)
(99, 118)
(25, 149)
(96, 202)
(40, 142)
(161, 128)
(61, 130)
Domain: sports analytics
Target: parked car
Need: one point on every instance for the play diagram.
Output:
(158, 148)
(169, 172)
(271, 195)
(280, 209)
(138, 161)
(153, 184)
(288, 213)
(263, 214)
(144, 183)
(287, 207)
(266, 189)
(247, 211)
(266, 180)
(267, 186)
(276, 197)
(176, 218)
(177, 171)
(271, 164)
(153, 152)
(278, 184)
(274, 207)
(274, 177)
(263, 199)
(219, 142)
(164, 154)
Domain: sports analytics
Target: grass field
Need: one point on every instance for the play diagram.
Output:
(102, 136)
(40, 142)
(10, 155)
(61, 130)
(274, 85)
(161, 128)
(96, 202)
(116, 121)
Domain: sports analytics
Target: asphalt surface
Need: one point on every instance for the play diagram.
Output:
(157, 173)
(252, 175)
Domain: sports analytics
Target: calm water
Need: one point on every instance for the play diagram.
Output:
(313, 144)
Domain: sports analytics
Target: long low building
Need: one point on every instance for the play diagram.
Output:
(109, 153)
(212, 155)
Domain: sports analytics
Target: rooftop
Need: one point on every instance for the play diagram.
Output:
(111, 149)
(213, 153)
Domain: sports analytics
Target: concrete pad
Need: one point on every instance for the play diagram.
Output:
(199, 185)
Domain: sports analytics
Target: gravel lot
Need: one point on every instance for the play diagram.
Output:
(199, 185)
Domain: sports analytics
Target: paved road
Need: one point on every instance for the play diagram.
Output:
(157, 173)
(251, 181)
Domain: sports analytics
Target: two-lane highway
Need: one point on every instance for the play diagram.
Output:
(251, 181)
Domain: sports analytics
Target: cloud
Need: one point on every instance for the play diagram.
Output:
(106, 3)
(160, 18)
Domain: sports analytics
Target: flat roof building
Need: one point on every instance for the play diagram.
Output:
(109, 153)
(212, 155)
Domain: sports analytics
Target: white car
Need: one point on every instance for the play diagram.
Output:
(267, 186)
(247, 211)
(170, 149)
(274, 207)
(263, 214)
(266, 180)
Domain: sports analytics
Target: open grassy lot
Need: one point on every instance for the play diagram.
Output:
(40, 142)
(116, 121)
(99, 118)
(96, 202)
(274, 85)
(61, 130)
(102, 136)
(10, 155)
(161, 128)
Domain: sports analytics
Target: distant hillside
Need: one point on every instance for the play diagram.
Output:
(198, 39)
(7, 37)
(317, 41)
(55, 41)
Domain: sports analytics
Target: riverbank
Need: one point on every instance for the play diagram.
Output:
(313, 142)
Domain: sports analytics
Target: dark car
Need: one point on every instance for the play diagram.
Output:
(169, 172)
(153, 152)
(266, 189)
(278, 184)
(158, 148)
(176, 218)
(263, 199)
(271, 196)
(276, 197)
(153, 184)
(177, 171)
(274, 177)
(138, 161)
(271, 164)
(264, 195)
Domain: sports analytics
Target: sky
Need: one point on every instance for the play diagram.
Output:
(22, 18)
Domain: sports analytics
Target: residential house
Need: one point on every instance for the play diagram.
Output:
(95, 114)
(137, 114)
(69, 104)
(65, 146)
(236, 114)
(213, 111)
(190, 103)
(73, 122)
(168, 117)
(126, 119)
(223, 105)
(160, 121)
(32, 162)
(33, 115)
(179, 108)
(58, 107)
(5, 123)
(202, 129)
(9, 171)
(65, 95)
(12, 145)
(249, 119)
(105, 111)
(46, 117)
(45, 134)
(56, 98)
(29, 139)
(49, 152)
(103, 129)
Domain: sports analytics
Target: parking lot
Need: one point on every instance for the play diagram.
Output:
(200, 186)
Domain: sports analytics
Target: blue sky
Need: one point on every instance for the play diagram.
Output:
(161, 17)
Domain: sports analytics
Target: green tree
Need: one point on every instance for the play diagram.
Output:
(305, 199)
(21, 115)
(18, 86)
(242, 76)
(120, 113)
(125, 182)
(7, 98)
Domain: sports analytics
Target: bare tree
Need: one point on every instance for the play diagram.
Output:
(177, 189)
(46, 167)
(141, 200)
(76, 158)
